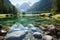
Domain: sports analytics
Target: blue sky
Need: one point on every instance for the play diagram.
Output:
(30, 2)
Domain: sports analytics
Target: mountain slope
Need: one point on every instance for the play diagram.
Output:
(6, 7)
(8, 3)
(23, 7)
(43, 5)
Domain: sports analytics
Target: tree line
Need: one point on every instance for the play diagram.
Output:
(6, 9)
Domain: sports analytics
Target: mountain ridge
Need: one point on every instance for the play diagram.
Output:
(23, 7)
(6, 7)
(43, 5)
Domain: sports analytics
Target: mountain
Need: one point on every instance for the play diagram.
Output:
(17, 5)
(23, 7)
(6, 7)
(43, 5)
(8, 3)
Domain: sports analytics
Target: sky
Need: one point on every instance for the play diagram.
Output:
(30, 2)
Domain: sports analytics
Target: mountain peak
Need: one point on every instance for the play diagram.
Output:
(24, 6)
(43, 5)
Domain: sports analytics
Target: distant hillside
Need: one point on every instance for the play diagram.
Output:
(23, 7)
(43, 5)
(7, 7)
(8, 3)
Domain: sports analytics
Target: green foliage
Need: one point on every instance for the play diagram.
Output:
(5, 8)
